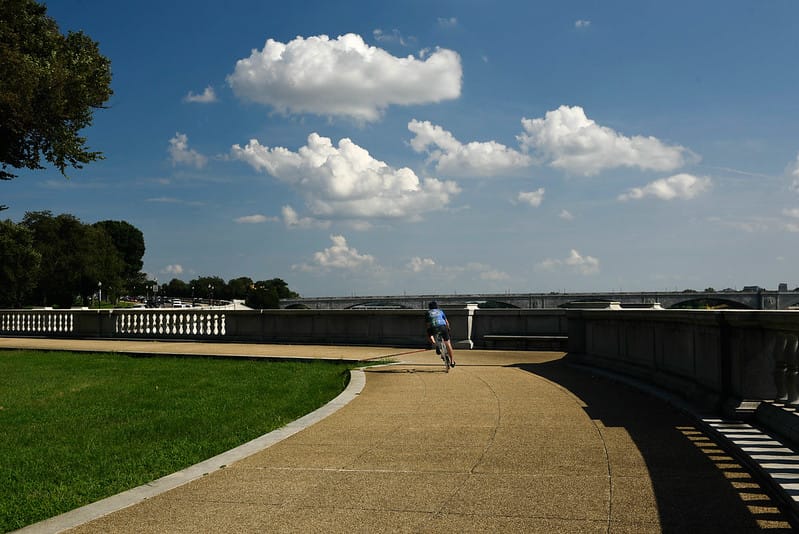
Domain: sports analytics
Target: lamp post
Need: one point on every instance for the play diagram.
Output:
(210, 295)
(99, 293)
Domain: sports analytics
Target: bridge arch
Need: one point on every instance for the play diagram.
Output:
(379, 305)
(485, 304)
(709, 303)
(580, 303)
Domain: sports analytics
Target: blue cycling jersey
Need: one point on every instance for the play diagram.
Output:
(436, 317)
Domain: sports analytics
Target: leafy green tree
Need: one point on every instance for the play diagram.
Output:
(75, 258)
(129, 242)
(210, 287)
(19, 264)
(177, 288)
(50, 85)
(266, 294)
(239, 287)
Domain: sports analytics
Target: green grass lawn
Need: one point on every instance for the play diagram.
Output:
(75, 428)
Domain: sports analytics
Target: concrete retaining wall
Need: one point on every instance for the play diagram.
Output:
(715, 359)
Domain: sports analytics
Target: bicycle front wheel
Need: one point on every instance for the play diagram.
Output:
(446, 357)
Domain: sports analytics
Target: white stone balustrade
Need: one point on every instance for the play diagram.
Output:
(36, 322)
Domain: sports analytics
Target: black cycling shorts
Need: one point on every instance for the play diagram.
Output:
(442, 329)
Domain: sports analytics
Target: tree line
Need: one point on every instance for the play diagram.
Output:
(262, 294)
(59, 261)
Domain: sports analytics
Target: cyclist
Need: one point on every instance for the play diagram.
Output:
(435, 321)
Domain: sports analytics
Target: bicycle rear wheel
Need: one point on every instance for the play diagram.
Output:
(442, 348)
(446, 356)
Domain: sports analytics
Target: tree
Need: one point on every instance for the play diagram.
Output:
(239, 287)
(19, 264)
(177, 288)
(211, 287)
(266, 294)
(75, 258)
(50, 85)
(129, 242)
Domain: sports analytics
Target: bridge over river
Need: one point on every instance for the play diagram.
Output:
(760, 299)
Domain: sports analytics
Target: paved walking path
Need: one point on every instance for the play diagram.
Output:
(507, 441)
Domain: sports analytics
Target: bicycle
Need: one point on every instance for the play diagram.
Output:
(446, 357)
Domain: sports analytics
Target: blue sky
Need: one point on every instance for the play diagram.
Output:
(377, 148)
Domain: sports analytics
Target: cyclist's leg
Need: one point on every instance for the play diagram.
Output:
(448, 340)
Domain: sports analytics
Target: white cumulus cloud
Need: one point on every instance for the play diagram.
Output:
(181, 154)
(206, 97)
(566, 215)
(533, 198)
(346, 182)
(454, 158)
(173, 269)
(685, 186)
(339, 256)
(293, 220)
(585, 265)
(567, 139)
(343, 77)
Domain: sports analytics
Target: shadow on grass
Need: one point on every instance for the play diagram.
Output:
(698, 486)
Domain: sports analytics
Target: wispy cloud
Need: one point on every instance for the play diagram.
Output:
(454, 158)
(255, 219)
(173, 200)
(679, 186)
(293, 220)
(447, 22)
(418, 264)
(393, 36)
(208, 96)
(532, 198)
(582, 23)
(584, 265)
(181, 154)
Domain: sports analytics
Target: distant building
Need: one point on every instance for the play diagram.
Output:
(783, 287)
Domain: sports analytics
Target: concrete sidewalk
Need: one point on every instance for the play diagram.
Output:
(507, 441)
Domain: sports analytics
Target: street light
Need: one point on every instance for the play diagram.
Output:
(100, 293)
(210, 295)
